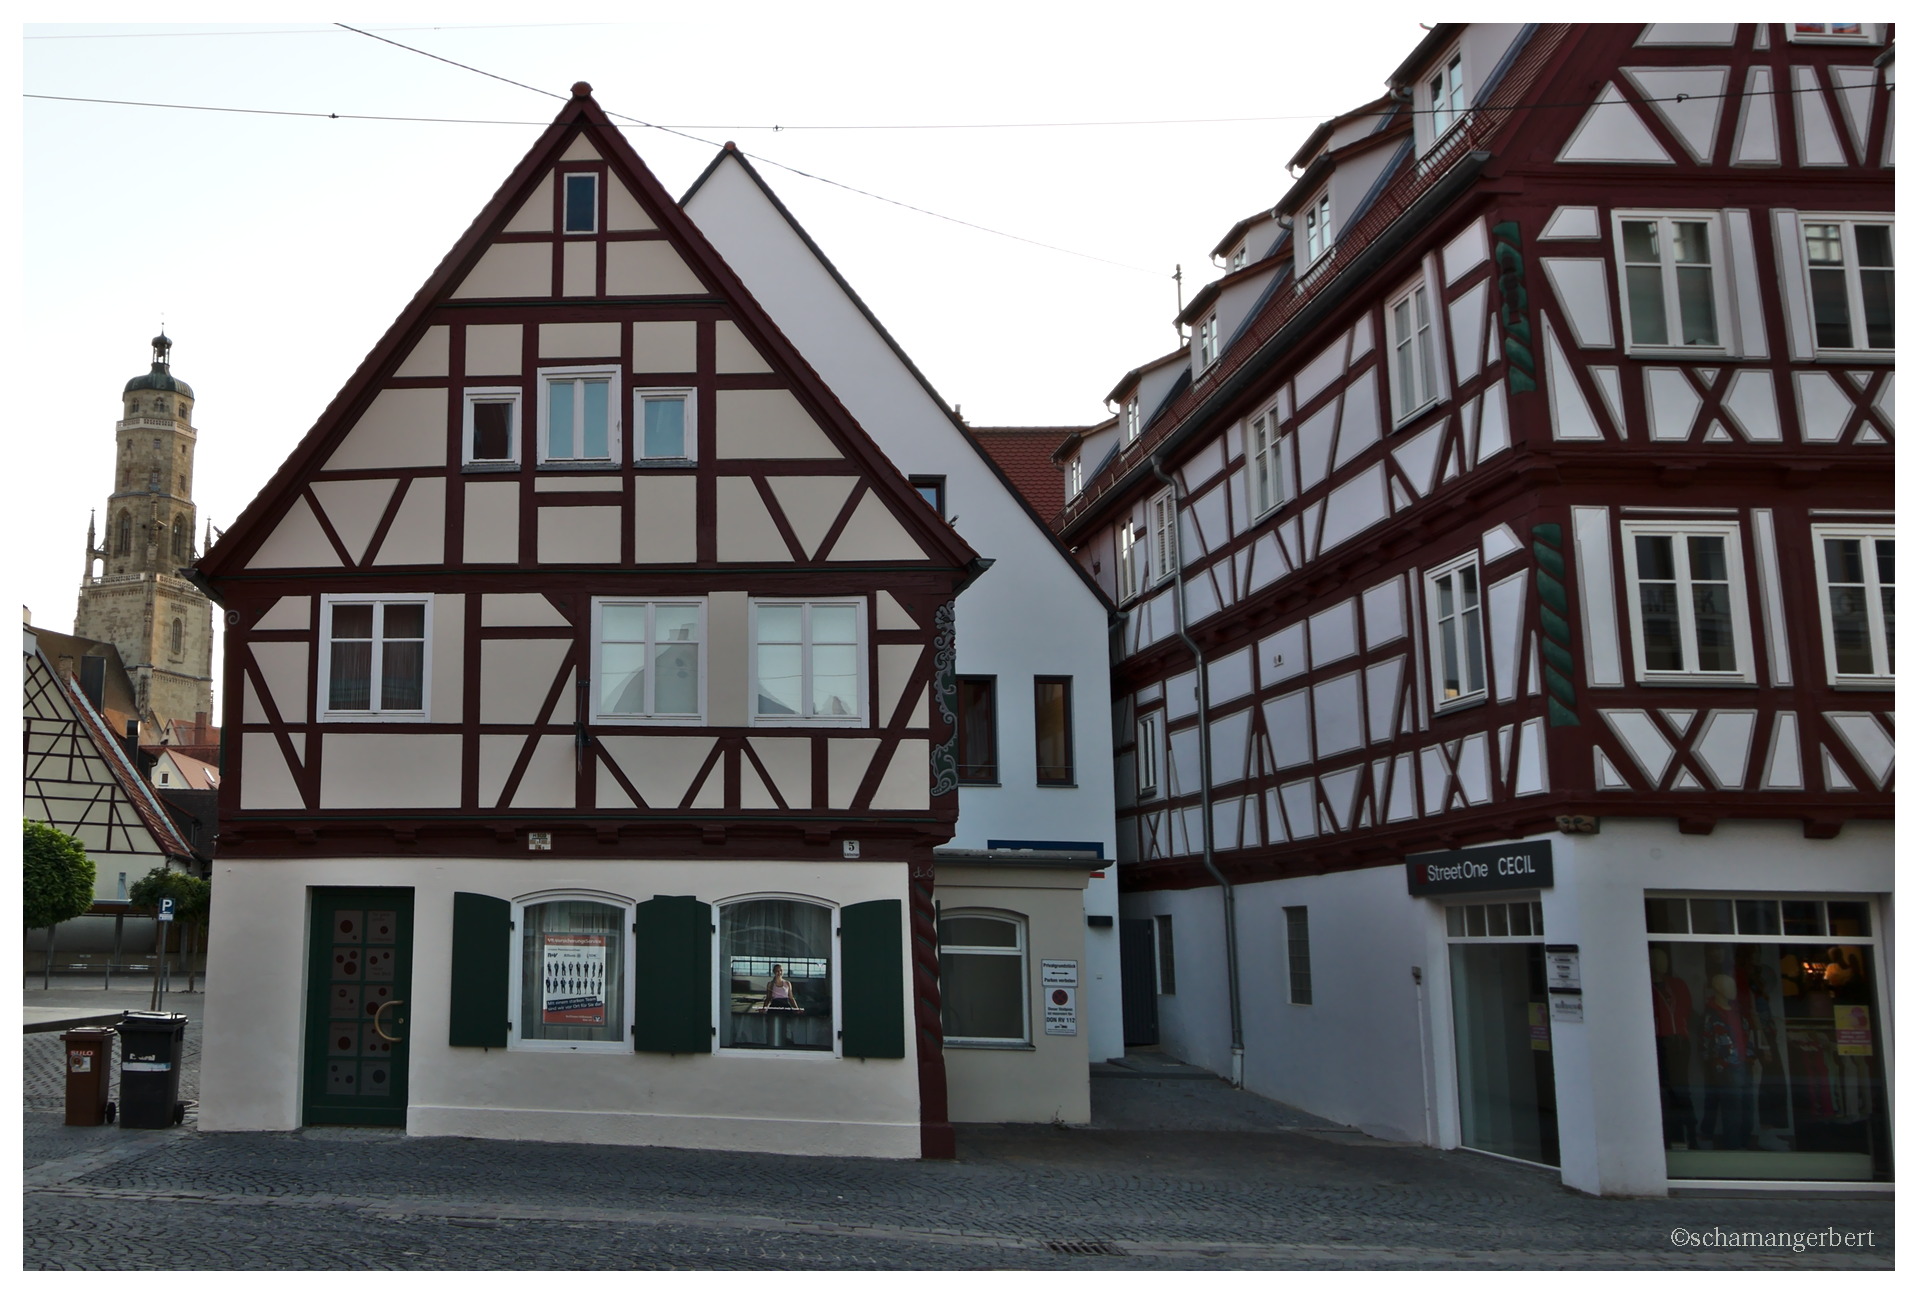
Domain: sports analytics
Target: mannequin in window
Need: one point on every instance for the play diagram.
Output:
(1673, 1052)
(1728, 1052)
(779, 996)
(1754, 973)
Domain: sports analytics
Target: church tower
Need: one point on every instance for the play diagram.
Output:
(132, 595)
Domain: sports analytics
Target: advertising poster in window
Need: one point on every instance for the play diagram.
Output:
(1853, 1030)
(575, 990)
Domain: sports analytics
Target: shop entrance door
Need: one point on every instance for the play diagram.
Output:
(1502, 1043)
(359, 968)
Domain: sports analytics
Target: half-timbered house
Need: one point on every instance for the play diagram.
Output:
(592, 674)
(1036, 784)
(1507, 575)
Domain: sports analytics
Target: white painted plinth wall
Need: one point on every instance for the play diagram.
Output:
(742, 1100)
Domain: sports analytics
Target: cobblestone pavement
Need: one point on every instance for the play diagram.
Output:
(1177, 1174)
(1016, 1199)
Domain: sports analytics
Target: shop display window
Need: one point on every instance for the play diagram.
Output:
(572, 975)
(776, 975)
(1769, 1038)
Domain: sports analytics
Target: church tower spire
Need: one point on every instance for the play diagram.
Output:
(133, 595)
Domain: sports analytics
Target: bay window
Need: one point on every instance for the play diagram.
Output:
(374, 660)
(809, 661)
(647, 659)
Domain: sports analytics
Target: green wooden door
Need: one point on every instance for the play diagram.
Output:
(359, 970)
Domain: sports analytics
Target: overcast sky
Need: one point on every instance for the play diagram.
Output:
(277, 249)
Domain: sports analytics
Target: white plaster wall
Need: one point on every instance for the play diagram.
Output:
(256, 1008)
(1365, 1055)
(998, 629)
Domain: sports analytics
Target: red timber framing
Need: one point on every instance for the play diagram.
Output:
(1551, 445)
(778, 495)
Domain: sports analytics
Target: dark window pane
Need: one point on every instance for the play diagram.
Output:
(405, 621)
(1802, 918)
(1712, 917)
(353, 621)
(978, 929)
(982, 996)
(1848, 918)
(401, 667)
(492, 429)
(1832, 327)
(1876, 299)
(1053, 730)
(350, 676)
(1299, 956)
(1757, 917)
(1666, 915)
(978, 722)
(580, 204)
(1875, 244)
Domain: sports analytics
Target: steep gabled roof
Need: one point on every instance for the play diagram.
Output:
(1025, 457)
(581, 116)
(729, 153)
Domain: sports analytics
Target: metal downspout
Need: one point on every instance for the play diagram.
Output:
(1238, 1063)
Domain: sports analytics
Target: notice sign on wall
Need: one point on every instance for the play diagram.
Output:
(1062, 1015)
(574, 992)
(1059, 972)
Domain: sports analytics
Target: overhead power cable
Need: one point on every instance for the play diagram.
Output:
(855, 189)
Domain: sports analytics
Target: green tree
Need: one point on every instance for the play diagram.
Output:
(58, 878)
(190, 895)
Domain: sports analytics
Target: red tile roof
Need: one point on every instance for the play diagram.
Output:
(1025, 455)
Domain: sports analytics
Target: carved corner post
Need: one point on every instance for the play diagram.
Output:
(936, 1133)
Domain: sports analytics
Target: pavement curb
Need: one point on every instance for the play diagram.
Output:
(68, 1023)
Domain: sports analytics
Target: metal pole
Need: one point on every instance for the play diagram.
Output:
(46, 970)
(159, 959)
(119, 929)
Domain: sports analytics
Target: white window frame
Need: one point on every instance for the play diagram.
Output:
(1126, 581)
(689, 430)
(1149, 755)
(1163, 537)
(1209, 339)
(1850, 266)
(1076, 480)
(651, 716)
(565, 177)
(1439, 630)
(517, 1042)
(862, 646)
(1867, 535)
(1316, 232)
(374, 715)
(1443, 121)
(1238, 260)
(508, 396)
(1267, 461)
(1723, 316)
(1869, 34)
(1020, 951)
(1133, 419)
(1736, 603)
(574, 373)
(834, 973)
(1427, 386)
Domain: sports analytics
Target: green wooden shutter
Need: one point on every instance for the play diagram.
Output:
(482, 947)
(673, 976)
(873, 998)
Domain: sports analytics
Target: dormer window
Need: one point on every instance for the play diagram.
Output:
(1447, 96)
(1075, 482)
(1209, 340)
(1239, 258)
(1133, 419)
(1318, 239)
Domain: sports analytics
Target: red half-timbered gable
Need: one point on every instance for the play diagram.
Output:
(706, 468)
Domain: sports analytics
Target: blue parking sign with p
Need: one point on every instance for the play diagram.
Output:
(166, 910)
